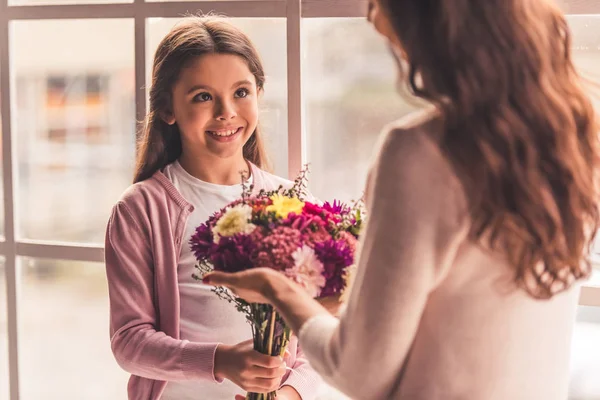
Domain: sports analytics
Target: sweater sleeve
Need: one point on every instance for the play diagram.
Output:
(413, 231)
(303, 378)
(137, 344)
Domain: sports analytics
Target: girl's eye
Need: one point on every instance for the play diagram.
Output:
(202, 97)
(242, 93)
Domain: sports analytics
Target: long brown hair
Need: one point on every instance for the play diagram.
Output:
(520, 130)
(160, 143)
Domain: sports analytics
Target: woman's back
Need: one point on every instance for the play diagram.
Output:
(481, 339)
(478, 342)
(480, 336)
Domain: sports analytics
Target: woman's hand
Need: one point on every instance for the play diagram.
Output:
(267, 286)
(333, 304)
(254, 285)
(249, 369)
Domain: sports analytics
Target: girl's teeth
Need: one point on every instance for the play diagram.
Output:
(223, 133)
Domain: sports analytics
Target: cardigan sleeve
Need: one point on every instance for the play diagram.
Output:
(303, 378)
(138, 346)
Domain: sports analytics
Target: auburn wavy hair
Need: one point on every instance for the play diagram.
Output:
(160, 143)
(520, 129)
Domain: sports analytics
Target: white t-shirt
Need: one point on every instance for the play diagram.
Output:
(204, 317)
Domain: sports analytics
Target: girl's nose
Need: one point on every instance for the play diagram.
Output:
(225, 111)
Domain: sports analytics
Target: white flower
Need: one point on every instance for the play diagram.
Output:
(234, 221)
(307, 271)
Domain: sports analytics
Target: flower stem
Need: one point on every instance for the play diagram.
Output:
(271, 332)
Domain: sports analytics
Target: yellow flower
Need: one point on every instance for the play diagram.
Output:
(283, 205)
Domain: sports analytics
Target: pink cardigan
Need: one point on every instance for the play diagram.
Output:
(143, 241)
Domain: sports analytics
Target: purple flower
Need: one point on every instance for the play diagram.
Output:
(233, 254)
(336, 208)
(335, 255)
(201, 242)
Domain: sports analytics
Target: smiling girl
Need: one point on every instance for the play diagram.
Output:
(176, 338)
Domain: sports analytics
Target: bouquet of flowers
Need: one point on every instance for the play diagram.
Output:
(313, 245)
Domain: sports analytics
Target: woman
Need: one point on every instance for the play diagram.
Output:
(481, 210)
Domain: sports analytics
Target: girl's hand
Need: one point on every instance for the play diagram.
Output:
(249, 369)
(254, 285)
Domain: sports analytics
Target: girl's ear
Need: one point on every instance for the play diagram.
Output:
(168, 117)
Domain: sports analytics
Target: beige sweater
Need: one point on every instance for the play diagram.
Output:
(432, 315)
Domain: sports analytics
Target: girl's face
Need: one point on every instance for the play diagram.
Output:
(215, 105)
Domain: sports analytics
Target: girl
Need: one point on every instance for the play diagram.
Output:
(480, 214)
(177, 339)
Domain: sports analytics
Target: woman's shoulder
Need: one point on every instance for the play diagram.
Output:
(414, 138)
(410, 151)
(416, 128)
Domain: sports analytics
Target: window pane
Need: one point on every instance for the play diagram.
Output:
(64, 345)
(55, 2)
(200, 0)
(586, 52)
(1, 177)
(74, 125)
(349, 87)
(4, 392)
(585, 355)
(585, 31)
(269, 36)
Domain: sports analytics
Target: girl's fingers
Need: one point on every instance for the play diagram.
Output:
(269, 373)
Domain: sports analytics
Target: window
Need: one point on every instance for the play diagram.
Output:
(349, 95)
(3, 333)
(73, 81)
(74, 124)
(63, 341)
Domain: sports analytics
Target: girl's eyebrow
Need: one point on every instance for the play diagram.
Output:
(206, 87)
(198, 87)
(242, 82)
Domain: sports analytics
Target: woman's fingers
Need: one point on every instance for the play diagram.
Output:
(250, 285)
(333, 304)
(220, 279)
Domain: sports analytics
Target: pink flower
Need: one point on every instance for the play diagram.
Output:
(276, 248)
(307, 271)
(313, 209)
(350, 239)
(317, 236)
(318, 211)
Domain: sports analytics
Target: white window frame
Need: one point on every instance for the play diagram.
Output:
(292, 10)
